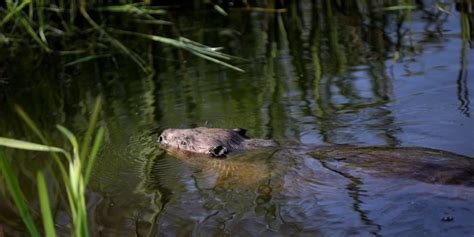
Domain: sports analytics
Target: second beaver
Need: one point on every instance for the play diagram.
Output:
(216, 142)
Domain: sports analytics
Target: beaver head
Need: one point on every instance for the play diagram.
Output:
(216, 142)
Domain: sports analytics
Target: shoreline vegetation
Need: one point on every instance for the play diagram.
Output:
(52, 24)
(92, 30)
(75, 167)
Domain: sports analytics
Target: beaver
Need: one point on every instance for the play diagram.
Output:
(299, 188)
(215, 142)
(423, 164)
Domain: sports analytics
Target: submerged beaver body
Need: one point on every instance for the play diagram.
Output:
(415, 163)
(216, 142)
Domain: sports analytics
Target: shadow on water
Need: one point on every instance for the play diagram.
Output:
(319, 72)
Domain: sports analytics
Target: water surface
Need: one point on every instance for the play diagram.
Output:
(317, 74)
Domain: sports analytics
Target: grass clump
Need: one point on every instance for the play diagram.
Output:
(75, 167)
(52, 24)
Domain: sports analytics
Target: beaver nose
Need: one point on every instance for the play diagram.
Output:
(160, 139)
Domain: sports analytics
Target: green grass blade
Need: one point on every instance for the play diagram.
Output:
(118, 8)
(220, 10)
(86, 59)
(191, 46)
(135, 57)
(9, 3)
(442, 9)
(90, 129)
(18, 144)
(35, 129)
(217, 61)
(48, 223)
(95, 149)
(26, 24)
(30, 123)
(17, 195)
(153, 22)
(72, 139)
(83, 212)
(12, 12)
(40, 12)
(132, 8)
(400, 8)
(207, 51)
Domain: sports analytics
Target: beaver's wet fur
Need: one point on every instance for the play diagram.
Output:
(215, 142)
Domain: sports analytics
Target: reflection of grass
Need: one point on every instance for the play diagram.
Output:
(78, 164)
(49, 22)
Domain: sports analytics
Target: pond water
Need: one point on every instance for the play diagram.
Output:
(315, 74)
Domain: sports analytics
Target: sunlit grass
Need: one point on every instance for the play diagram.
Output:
(400, 8)
(76, 166)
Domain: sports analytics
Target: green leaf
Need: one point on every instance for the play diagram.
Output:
(400, 8)
(17, 196)
(23, 115)
(220, 10)
(116, 43)
(19, 144)
(90, 129)
(70, 136)
(86, 59)
(97, 142)
(217, 61)
(29, 28)
(30, 123)
(195, 48)
(132, 8)
(14, 11)
(48, 223)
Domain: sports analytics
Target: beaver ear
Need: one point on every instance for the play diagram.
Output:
(218, 151)
(240, 131)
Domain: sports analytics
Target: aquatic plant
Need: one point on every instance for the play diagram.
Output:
(53, 23)
(75, 169)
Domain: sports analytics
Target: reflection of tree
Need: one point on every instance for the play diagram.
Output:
(314, 65)
(348, 44)
(337, 40)
(467, 15)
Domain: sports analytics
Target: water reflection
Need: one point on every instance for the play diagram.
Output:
(295, 196)
(321, 72)
(467, 26)
(304, 196)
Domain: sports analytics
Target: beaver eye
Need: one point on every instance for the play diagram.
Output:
(160, 139)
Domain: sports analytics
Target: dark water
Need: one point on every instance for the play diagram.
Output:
(317, 74)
